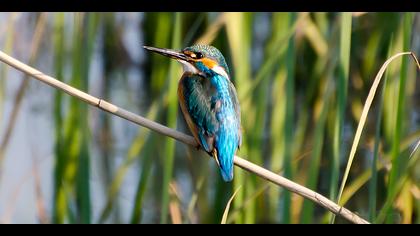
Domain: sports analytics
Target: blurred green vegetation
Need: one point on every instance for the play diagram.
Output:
(302, 80)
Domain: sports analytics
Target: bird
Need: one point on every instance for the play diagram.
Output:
(209, 102)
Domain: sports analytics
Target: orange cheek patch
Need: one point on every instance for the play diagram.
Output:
(208, 62)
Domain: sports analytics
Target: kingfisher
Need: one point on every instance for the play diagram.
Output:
(209, 102)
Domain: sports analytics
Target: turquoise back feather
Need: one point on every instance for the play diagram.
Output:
(212, 106)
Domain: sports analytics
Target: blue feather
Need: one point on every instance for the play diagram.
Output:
(215, 115)
(211, 104)
(227, 138)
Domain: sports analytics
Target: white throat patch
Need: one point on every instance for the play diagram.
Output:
(219, 70)
(188, 67)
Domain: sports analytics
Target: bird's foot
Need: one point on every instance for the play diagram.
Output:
(215, 157)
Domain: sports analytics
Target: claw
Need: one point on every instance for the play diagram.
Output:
(215, 157)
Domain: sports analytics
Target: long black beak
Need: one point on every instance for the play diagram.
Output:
(168, 52)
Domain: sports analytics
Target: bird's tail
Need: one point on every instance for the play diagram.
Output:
(225, 164)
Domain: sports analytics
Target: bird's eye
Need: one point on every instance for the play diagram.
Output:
(198, 55)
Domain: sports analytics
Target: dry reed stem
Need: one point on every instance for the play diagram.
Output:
(187, 139)
(364, 115)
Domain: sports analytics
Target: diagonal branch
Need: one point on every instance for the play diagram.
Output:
(242, 163)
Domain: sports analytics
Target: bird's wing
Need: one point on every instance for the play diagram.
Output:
(196, 106)
(235, 101)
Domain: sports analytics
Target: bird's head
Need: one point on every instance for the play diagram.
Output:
(204, 60)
